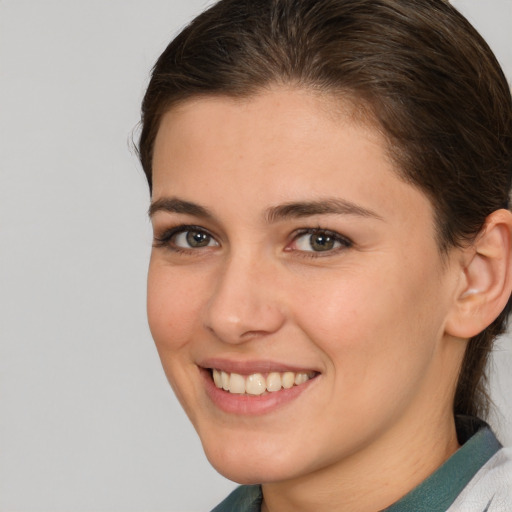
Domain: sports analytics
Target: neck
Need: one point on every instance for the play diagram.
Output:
(373, 478)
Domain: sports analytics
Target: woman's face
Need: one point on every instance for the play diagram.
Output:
(286, 247)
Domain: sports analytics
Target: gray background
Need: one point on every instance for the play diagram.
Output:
(87, 421)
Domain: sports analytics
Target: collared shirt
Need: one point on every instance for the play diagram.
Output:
(476, 478)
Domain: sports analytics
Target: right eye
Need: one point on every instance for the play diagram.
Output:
(185, 238)
(193, 239)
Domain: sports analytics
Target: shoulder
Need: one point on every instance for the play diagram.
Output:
(490, 490)
(246, 498)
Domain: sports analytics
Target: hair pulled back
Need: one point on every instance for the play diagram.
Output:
(425, 76)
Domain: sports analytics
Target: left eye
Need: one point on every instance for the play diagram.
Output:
(320, 241)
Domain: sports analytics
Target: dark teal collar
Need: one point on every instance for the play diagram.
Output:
(246, 498)
(439, 490)
(435, 494)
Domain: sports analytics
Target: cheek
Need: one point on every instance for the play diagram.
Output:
(173, 314)
(375, 326)
(173, 305)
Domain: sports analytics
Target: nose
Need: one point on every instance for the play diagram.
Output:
(245, 302)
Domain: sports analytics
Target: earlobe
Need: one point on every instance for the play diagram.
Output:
(487, 282)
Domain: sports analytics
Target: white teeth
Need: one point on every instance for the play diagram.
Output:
(273, 381)
(300, 378)
(257, 384)
(217, 378)
(237, 384)
(288, 380)
(225, 380)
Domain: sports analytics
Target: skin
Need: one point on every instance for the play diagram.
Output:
(370, 316)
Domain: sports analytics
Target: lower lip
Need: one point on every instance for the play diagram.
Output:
(251, 405)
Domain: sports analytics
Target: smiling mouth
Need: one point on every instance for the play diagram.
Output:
(257, 383)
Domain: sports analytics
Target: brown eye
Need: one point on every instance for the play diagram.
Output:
(193, 239)
(197, 239)
(321, 242)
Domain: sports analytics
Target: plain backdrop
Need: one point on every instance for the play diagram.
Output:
(87, 420)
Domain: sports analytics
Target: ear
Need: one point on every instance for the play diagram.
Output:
(486, 282)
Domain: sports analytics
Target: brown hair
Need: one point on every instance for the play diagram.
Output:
(427, 77)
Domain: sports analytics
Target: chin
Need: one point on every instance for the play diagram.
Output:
(251, 462)
(243, 471)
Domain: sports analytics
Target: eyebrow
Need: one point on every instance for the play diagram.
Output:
(273, 214)
(175, 205)
(322, 207)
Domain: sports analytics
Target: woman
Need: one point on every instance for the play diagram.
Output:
(332, 255)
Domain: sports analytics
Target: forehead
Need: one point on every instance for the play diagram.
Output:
(278, 107)
(278, 146)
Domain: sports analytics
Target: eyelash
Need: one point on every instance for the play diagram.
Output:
(165, 240)
(345, 243)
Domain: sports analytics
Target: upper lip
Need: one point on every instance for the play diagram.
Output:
(249, 367)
